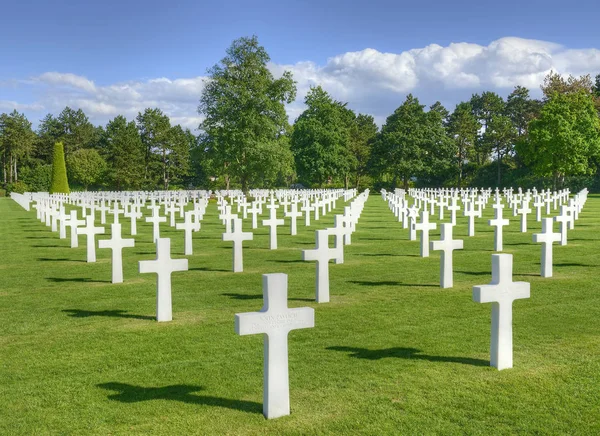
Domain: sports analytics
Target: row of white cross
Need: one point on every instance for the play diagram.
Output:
(502, 291)
(275, 319)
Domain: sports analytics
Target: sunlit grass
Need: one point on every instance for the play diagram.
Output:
(391, 353)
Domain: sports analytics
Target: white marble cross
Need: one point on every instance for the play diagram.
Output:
(293, 214)
(413, 213)
(446, 245)
(163, 266)
(471, 212)
(501, 292)
(275, 320)
(156, 219)
(563, 219)
(63, 218)
(339, 231)
(322, 254)
(547, 237)
(73, 223)
(227, 217)
(116, 244)
(453, 208)
(523, 212)
(498, 222)
(188, 226)
(103, 208)
(307, 209)
(272, 223)
(237, 236)
(171, 209)
(133, 214)
(90, 231)
(425, 226)
(254, 210)
(116, 211)
(538, 203)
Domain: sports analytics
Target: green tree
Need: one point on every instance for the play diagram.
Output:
(49, 133)
(321, 138)
(463, 128)
(124, 154)
(77, 131)
(155, 131)
(554, 83)
(438, 149)
(363, 132)
(60, 183)
(243, 108)
(500, 136)
(177, 156)
(16, 144)
(399, 149)
(86, 167)
(565, 138)
(485, 106)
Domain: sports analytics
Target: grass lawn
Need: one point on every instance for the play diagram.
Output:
(392, 353)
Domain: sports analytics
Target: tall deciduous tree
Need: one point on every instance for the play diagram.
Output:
(321, 139)
(155, 131)
(124, 153)
(500, 136)
(86, 167)
(16, 144)
(463, 128)
(485, 106)
(243, 108)
(565, 138)
(398, 150)
(363, 132)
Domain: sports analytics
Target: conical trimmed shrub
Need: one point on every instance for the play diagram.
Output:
(59, 184)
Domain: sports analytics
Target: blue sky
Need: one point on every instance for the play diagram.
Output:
(101, 55)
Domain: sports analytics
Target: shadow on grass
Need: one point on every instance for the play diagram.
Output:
(75, 279)
(49, 246)
(475, 273)
(204, 268)
(116, 313)
(571, 264)
(406, 353)
(289, 261)
(392, 283)
(379, 254)
(259, 297)
(378, 239)
(60, 259)
(184, 393)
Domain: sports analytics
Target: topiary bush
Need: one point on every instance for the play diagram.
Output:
(59, 184)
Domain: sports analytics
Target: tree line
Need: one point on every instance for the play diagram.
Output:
(246, 140)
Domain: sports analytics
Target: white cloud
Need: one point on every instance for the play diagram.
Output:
(369, 80)
(68, 80)
(6, 105)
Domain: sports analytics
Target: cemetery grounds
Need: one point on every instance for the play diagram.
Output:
(392, 353)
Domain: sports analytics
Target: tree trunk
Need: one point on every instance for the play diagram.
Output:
(499, 159)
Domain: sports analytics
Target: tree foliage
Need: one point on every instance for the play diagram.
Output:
(60, 183)
(86, 167)
(244, 114)
(321, 138)
(565, 138)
